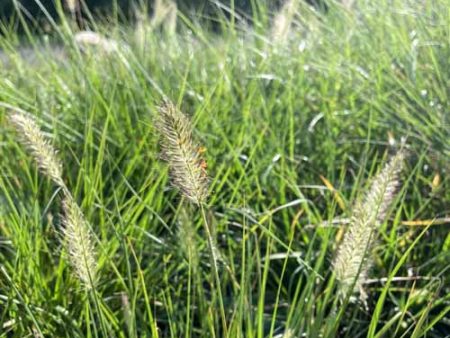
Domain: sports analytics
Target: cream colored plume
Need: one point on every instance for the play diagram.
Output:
(77, 236)
(87, 39)
(72, 5)
(38, 145)
(282, 21)
(165, 14)
(187, 167)
(79, 242)
(353, 260)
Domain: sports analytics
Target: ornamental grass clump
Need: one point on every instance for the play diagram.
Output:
(77, 234)
(353, 261)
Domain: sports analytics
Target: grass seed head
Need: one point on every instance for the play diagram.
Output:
(187, 166)
(282, 21)
(80, 246)
(352, 262)
(72, 6)
(39, 146)
(165, 14)
(87, 39)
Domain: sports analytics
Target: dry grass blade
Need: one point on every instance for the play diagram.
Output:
(187, 167)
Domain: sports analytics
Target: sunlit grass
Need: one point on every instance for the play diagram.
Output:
(292, 132)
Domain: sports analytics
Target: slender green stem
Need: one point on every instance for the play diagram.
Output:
(99, 312)
(151, 320)
(188, 305)
(214, 260)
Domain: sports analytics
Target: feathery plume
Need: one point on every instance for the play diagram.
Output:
(187, 167)
(348, 4)
(188, 173)
(283, 20)
(79, 242)
(142, 30)
(159, 12)
(76, 230)
(351, 264)
(72, 5)
(38, 145)
(165, 15)
(86, 39)
(171, 19)
(289, 333)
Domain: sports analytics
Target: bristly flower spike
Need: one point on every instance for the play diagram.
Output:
(353, 261)
(187, 166)
(38, 145)
(77, 235)
(80, 245)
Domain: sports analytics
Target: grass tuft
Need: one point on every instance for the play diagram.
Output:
(295, 105)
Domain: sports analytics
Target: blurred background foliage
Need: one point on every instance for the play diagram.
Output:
(127, 7)
(37, 12)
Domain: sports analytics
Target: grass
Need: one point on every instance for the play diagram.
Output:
(293, 130)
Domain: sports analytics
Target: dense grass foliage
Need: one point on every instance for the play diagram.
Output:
(293, 129)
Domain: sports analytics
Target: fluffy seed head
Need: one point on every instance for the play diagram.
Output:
(352, 264)
(283, 20)
(72, 5)
(187, 167)
(171, 21)
(38, 145)
(165, 14)
(88, 39)
(289, 333)
(78, 240)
